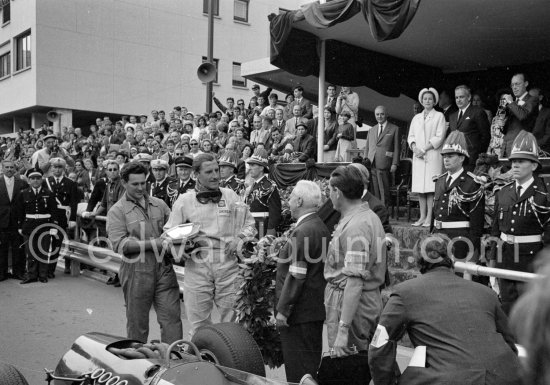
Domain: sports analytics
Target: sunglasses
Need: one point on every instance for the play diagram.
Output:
(193, 144)
(209, 196)
(112, 169)
(178, 154)
(158, 169)
(39, 177)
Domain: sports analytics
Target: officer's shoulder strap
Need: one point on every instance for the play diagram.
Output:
(436, 177)
(497, 188)
(545, 182)
(474, 177)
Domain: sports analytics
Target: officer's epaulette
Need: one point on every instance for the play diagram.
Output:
(474, 177)
(436, 177)
(504, 185)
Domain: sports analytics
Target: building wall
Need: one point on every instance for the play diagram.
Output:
(131, 56)
(19, 90)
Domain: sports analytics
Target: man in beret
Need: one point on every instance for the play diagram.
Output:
(65, 192)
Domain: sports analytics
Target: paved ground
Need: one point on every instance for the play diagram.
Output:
(39, 322)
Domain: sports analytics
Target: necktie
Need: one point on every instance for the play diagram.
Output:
(460, 115)
(518, 190)
(448, 182)
(381, 127)
(296, 122)
(35, 192)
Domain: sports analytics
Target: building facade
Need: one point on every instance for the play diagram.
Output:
(93, 58)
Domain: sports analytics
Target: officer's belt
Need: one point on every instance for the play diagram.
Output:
(263, 214)
(63, 207)
(451, 225)
(38, 216)
(520, 238)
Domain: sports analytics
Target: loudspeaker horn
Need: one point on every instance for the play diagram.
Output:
(52, 116)
(206, 72)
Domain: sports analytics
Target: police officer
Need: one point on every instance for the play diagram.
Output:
(160, 186)
(134, 226)
(184, 182)
(211, 276)
(66, 194)
(459, 201)
(38, 208)
(263, 196)
(228, 172)
(522, 210)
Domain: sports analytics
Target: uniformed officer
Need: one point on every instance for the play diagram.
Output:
(522, 210)
(184, 182)
(38, 208)
(160, 186)
(228, 172)
(263, 196)
(66, 195)
(145, 159)
(459, 201)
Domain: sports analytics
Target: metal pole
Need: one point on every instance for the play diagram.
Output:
(210, 55)
(321, 117)
(512, 275)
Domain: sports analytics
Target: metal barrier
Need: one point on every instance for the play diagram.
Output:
(469, 269)
(100, 257)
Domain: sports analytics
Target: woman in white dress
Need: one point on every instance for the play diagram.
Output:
(426, 135)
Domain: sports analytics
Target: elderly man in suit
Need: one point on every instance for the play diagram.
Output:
(472, 122)
(522, 111)
(10, 187)
(300, 284)
(382, 149)
(459, 325)
(292, 123)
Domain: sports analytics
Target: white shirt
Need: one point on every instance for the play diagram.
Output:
(525, 185)
(463, 110)
(9, 185)
(454, 175)
(303, 217)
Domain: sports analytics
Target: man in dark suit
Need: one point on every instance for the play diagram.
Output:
(10, 188)
(300, 285)
(382, 149)
(279, 122)
(159, 189)
(445, 105)
(299, 100)
(304, 143)
(542, 124)
(331, 97)
(472, 121)
(522, 111)
(460, 324)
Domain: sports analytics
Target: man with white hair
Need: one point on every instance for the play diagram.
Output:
(300, 284)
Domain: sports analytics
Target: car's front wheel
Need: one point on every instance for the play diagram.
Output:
(9, 375)
(229, 344)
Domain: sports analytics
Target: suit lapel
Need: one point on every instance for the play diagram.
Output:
(384, 132)
(528, 193)
(4, 188)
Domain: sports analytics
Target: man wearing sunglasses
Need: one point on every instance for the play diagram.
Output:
(211, 274)
(66, 194)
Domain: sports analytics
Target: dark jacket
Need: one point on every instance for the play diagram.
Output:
(460, 322)
(542, 129)
(66, 194)
(476, 129)
(305, 145)
(300, 284)
(521, 116)
(8, 209)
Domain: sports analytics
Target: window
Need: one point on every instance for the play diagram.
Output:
(241, 10)
(5, 65)
(216, 64)
(23, 51)
(238, 80)
(215, 7)
(5, 6)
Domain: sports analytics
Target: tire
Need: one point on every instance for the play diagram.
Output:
(229, 344)
(9, 375)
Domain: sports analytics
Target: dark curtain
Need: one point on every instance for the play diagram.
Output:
(295, 51)
(288, 174)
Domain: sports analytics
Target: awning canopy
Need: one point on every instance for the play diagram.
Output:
(397, 47)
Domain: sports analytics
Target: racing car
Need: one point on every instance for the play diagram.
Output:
(220, 354)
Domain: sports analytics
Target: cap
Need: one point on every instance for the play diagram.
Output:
(58, 162)
(183, 161)
(301, 125)
(255, 87)
(259, 157)
(229, 158)
(33, 172)
(432, 90)
(455, 144)
(155, 163)
(143, 157)
(49, 137)
(525, 147)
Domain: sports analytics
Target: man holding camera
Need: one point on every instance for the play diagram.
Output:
(41, 158)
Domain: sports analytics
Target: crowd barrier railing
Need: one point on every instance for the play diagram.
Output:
(469, 269)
